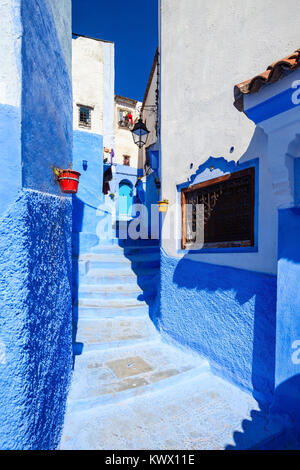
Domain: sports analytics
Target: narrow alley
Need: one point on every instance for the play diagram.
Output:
(130, 388)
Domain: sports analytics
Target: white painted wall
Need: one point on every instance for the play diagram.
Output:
(149, 113)
(88, 81)
(124, 144)
(108, 95)
(149, 116)
(219, 44)
(93, 71)
(10, 53)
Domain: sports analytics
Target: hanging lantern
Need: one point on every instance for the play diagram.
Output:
(140, 133)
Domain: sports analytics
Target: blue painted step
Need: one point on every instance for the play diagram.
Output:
(104, 331)
(118, 261)
(111, 292)
(95, 276)
(109, 311)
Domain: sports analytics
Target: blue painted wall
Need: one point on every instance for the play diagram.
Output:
(46, 99)
(35, 235)
(287, 377)
(87, 146)
(226, 314)
(35, 320)
(297, 180)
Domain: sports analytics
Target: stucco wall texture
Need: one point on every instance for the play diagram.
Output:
(224, 305)
(35, 224)
(202, 121)
(46, 97)
(225, 314)
(35, 319)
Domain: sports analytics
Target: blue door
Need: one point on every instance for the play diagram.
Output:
(125, 199)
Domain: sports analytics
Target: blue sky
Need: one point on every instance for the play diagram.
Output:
(133, 26)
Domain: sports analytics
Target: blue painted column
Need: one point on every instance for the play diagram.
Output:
(287, 376)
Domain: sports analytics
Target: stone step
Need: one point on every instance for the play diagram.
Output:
(107, 242)
(107, 303)
(120, 276)
(114, 261)
(202, 413)
(112, 375)
(109, 311)
(128, 250)
(107, 331)
(117, 291)
(113, 242)
(136, 256)
(116, 249)
(139, 243)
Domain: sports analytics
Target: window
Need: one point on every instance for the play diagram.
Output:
(126, 160)
(125, 118)
(228, 211)
(85, 116)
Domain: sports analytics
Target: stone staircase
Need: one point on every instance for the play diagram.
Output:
(130, 389)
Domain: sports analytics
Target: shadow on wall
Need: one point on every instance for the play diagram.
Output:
(286, 404)
(78, 211)
(229, 315)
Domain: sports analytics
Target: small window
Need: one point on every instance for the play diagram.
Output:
(85, 116)
(125, 119)
(126, 160)
(228, 217)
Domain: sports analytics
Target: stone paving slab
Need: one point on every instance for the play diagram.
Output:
(110, 371)
(129, 366)
(203, 413)
(117, 329)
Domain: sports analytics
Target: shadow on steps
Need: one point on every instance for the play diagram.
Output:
(276, 428)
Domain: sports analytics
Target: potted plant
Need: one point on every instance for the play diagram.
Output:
(163, 205)
(68, 179)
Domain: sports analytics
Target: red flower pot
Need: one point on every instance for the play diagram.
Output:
(68, 180)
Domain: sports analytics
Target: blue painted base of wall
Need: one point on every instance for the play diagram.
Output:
(225, 314)
(35, 320)
(287, 379)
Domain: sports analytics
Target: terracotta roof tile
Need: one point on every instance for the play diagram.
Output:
(271, 75)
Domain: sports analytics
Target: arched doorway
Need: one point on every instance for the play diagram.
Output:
(125, 199)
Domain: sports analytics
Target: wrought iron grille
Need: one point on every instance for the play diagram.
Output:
(85, 116)
(228, 210)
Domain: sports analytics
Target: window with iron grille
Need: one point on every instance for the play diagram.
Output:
(85, 116)
(228, 217)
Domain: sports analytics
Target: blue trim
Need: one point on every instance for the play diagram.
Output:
(221, 168)
(272, 107)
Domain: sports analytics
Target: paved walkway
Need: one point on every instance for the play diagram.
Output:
(131, 390)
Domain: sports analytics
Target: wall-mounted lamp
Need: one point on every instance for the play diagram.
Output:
(212, 168)
(84, 164)
(140, 133)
